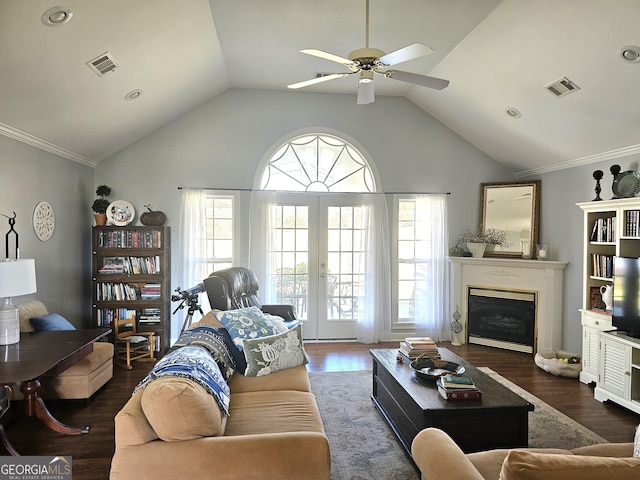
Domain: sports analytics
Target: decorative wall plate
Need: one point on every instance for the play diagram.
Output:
(120, 213)
(44, 221)
(626, 184)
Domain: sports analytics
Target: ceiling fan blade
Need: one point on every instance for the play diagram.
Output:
(407, 53)
(365, 93)
(422, 80)
(327, 56)
(322, 79)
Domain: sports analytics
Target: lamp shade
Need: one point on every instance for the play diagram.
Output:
(17, 277)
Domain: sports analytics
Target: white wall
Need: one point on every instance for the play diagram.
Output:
(222, 143)
(29, 176)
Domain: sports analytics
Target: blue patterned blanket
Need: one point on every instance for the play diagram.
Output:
(195, 363)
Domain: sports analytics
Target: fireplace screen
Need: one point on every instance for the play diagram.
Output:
(502, 318)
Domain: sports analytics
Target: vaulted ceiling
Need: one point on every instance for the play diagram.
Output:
(498, 56)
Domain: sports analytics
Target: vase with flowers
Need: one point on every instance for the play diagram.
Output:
(476, 241)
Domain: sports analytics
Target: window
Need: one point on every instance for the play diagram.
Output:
(317, 163)
(219, 234)
(420, 249)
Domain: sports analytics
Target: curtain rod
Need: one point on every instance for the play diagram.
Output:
(251, 190)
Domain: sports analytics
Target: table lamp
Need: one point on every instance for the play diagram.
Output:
(17, 277)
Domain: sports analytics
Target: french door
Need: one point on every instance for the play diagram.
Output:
(317, 261)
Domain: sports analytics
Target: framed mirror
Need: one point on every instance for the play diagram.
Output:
(513, 207)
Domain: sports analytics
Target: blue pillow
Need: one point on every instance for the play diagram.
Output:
(246, 323)
(50, 322)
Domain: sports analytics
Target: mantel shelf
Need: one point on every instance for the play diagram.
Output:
(510, 262)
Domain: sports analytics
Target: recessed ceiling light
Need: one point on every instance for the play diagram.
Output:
(513, 112)
(133, 94)
(56, 16)
(630, 54)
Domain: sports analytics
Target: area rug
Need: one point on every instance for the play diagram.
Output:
(363, 446)
(547, 426)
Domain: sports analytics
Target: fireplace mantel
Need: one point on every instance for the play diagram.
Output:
(543, 277)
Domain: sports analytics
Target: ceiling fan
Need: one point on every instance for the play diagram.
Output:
(367, 61)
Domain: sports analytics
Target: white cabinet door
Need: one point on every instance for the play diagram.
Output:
(615, 369)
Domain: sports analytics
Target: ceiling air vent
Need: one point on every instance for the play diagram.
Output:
(103, 64)
(562, 87)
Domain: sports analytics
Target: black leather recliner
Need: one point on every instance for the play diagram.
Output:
(237, 287)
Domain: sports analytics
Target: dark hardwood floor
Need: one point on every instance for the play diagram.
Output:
(92, 453)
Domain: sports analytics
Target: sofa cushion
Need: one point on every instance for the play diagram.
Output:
(525, 465)
(246, 323)
(276, 352)
(295, 378)
(180, 409)
(254, 413)
(50, 322)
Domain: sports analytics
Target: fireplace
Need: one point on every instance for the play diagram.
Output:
(544, 279)
(502, 318)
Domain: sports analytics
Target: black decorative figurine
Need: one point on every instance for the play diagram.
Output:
(615, 170)
(598, 176)
(12, 222)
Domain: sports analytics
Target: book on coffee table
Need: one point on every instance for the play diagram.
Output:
(458, 393)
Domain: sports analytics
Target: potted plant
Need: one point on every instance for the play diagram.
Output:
(101, 204)
(477, 240)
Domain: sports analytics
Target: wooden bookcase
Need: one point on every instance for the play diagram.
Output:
(131, 275)
(611, 228)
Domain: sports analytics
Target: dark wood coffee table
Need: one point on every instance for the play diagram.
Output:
(410, 404)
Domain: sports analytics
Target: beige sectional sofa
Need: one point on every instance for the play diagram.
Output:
(174, 429)
(439, 458)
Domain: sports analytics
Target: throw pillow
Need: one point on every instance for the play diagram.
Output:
(277, 352)
(526, 465)
(50, 322)
(246, 323)
(278, 322)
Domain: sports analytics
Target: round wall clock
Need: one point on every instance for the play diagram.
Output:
(44, 221)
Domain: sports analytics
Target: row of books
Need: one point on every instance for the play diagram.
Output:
(126, 238)
(106, 292)
(602, 265)
(149, 316)
(131, 265)
(106, 316)
(457, 387)
(604, 230)
(632, 223)
(412, 347)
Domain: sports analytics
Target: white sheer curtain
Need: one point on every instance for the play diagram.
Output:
(260, 240)
(431, 289)
(375, 307)
(193, 252)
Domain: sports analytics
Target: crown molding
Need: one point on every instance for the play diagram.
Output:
(598, 157)
(24, 137)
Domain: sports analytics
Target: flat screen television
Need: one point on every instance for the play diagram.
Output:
(626, 295)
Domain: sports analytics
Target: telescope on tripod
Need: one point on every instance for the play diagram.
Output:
(188, 298)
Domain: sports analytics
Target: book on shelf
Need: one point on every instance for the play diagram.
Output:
(458, 393)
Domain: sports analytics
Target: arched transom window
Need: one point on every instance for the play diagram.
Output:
(317, 163)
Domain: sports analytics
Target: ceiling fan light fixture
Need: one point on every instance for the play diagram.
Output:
(630, 54)
(56, 16)
(366, 76)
